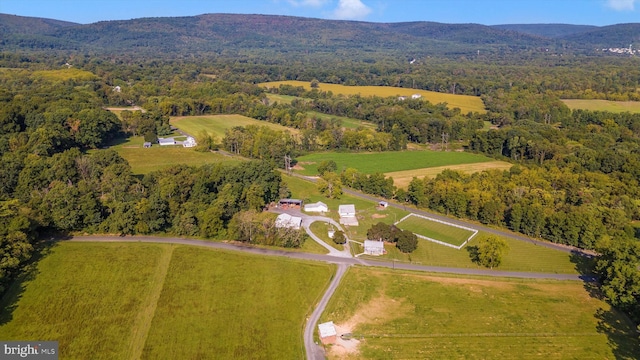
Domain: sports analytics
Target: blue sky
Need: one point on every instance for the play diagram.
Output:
(488, 12)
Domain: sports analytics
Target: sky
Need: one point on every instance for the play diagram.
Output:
(487, 12)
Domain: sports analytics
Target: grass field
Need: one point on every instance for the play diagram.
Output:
(347, 122)
(216, 125)
(150, 301)
(389, 161)
(157, 157)
(466, 103)
(402, 315)
(603, 105)
(401, 179)
(435, 230)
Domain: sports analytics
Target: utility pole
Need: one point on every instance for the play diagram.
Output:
(287, 164)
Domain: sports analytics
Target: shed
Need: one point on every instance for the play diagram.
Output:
(374, 247)
(383, 204)
(288, 221)
(316, 207)
(290, 203)
(327, 332)
(416, 96)
(146, 145)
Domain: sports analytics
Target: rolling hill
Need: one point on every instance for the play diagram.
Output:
(225, 33)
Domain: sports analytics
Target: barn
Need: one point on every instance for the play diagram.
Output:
(348, 215)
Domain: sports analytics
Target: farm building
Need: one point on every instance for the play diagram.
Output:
(348, 215)
(146, 145)
(383, 204)
(190, 142)
(288, 221)
(290, 204)
(327, 332)
(316, 207)
(374, 247)
(416, 96)
(166, 142)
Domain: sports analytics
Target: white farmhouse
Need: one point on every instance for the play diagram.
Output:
(374, 247)
(190, 142)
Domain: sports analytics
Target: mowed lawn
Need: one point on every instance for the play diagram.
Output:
(348, 123)
(216, 125)
(603, 105)
(403, 315)
(388, 161)
(435, 230)
(158, 157)
(159, 301)
(466, 103)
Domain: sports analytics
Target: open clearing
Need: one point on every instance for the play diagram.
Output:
(402, 315)
(466, 103)
(401, 179)
(389, 161)
(106, 300)
(603, 105)
(216, 125)
(157, 157)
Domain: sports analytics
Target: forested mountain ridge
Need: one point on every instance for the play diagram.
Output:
(236, 32)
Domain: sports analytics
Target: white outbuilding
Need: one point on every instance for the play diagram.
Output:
(327, 332)
(374, 247)
(288, 221)
(316, 207)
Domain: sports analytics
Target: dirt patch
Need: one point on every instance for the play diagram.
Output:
(378, 216)
(379, 310)
(297, 167)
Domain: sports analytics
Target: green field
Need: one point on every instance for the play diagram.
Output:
(349, 123)
(157, 157)
(603, 105)
(150, 301)
(384, 162)
(432, 229)
(216, 125)
(402, 315)
(466, 103)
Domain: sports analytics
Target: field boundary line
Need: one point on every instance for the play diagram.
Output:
(474, 231)
(142, 324)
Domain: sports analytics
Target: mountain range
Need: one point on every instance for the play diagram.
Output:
(224, 33)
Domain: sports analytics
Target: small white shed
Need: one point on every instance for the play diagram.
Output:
(288, 221)
(327, 332)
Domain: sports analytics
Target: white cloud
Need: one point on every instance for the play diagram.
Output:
(351, 9)
(311, 3)
(621, 5)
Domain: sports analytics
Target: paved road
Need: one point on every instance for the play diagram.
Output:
(315, 351)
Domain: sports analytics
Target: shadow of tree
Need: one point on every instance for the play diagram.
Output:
(473, 253)
(622, 335)
(11, 297)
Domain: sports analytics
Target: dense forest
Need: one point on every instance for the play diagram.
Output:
(574, 180)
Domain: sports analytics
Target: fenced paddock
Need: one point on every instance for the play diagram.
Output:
(438, 231)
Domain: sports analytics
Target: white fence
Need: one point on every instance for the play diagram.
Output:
(474, 231)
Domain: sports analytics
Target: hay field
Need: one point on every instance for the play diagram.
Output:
(401, 179)
(603, 105)
(216, 125)
(395, 314)
(466, 103)
(161, 301)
